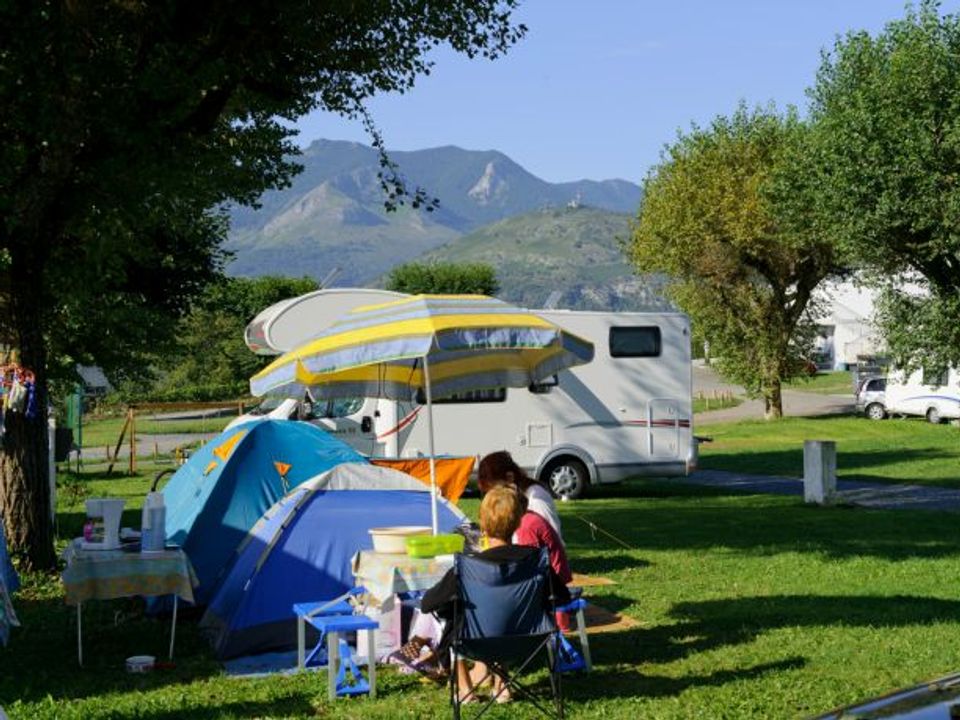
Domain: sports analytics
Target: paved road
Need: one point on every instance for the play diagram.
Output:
(795, 402)
(146, 444)
(865, 494)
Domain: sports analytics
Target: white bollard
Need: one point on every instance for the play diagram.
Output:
(819, 471)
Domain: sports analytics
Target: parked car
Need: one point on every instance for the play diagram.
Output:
(871, 397)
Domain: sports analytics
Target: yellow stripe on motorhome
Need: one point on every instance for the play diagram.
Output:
(403, 328)
(473, 365)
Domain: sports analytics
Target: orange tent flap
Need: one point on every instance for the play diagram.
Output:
(224, 449)
(452, 473)
(282, 467)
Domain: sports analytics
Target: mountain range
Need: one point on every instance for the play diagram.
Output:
(490, 209)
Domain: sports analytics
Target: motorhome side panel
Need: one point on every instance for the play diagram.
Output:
(925, 394)
(626, 413)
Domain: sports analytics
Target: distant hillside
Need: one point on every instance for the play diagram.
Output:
(333, 215)
(575, 250)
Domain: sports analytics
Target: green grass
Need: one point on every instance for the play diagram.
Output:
(895, 451)
(748, 607)
(826, 383)
(104, 432)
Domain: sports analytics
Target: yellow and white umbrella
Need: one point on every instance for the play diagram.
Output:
(438, 344)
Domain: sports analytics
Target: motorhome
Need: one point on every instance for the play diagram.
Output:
(629, 412)
(933, 394)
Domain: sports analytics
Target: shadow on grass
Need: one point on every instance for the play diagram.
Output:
(852, 463)
(758, 525)
(600, 564)
(604, 682)
(294, 705)
(41, 658)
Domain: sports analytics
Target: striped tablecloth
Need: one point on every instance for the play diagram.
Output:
(386, 574)
(105, 574)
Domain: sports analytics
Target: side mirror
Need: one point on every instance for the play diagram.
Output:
(366, 424)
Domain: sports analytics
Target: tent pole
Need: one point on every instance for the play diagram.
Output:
(433, 462)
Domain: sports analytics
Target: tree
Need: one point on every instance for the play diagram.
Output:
(125, 125)
(710, 220)
(443, 277)
(887, 115)
(210, 360)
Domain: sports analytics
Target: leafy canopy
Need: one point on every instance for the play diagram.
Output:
(887, 113)
(444, 277)
(710, 221)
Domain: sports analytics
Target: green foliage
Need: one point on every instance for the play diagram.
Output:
(710, 221)
(210, 360)
(443, 277)
(888, 161)
(126, 126)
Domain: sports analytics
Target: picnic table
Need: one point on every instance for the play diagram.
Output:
(388, 574)
(108, 574)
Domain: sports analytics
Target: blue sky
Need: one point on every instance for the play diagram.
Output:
(598, 86)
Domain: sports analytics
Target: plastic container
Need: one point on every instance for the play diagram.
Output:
(154, 523)
(425, 546)
(393, 540)
(140, 663)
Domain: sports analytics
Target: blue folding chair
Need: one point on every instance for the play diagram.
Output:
(504, 618)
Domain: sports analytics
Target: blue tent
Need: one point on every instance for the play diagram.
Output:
(301, 551)
(229, 483)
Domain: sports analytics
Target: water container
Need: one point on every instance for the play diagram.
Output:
(154, 523)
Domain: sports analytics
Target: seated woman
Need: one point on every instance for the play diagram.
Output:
(500, 514)
(499, 468)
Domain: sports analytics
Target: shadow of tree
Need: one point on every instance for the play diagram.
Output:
(762, 525)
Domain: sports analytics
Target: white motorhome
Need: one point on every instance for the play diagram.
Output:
(629, 412)
(931, 394)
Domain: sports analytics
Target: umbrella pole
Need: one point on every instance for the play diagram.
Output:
(433, 462)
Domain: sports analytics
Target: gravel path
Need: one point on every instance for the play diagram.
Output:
(864, 494)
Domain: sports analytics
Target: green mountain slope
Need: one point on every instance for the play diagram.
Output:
(574, 250)
(332, 215)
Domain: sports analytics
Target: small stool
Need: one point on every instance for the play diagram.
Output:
(568, 658)
(337, 681)
(307, 613)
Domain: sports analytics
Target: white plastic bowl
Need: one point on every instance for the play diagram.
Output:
(140, 663)
(393, 540)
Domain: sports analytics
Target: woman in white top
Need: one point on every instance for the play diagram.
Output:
(499, 468)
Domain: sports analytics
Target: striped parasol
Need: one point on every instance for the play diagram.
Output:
(438, 344)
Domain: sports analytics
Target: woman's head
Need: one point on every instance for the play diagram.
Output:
(500, 512)
(498, 468)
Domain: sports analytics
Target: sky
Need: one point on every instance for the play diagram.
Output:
(598, 87)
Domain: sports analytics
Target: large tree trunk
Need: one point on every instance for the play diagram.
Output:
(24, 468)
(772, 400)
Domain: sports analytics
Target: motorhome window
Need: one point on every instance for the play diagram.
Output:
(936, 377)
(471, 396)
(639, 341)
(342, 407)
(545, 385)
(877, 385)
(267, 405)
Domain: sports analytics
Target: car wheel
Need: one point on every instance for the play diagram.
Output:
(876, 411)
(567, 478)
(933, 416)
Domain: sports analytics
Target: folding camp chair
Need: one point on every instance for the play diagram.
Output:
(504, 618)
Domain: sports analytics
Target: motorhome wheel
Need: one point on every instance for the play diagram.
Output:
(567, 477)
(933, 416)
(876, 411)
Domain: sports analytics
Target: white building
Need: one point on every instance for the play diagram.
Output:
(846, 331)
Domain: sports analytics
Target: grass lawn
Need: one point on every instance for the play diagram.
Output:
(104, 432)
(896, 451)
(749, 607)
(838, 382)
